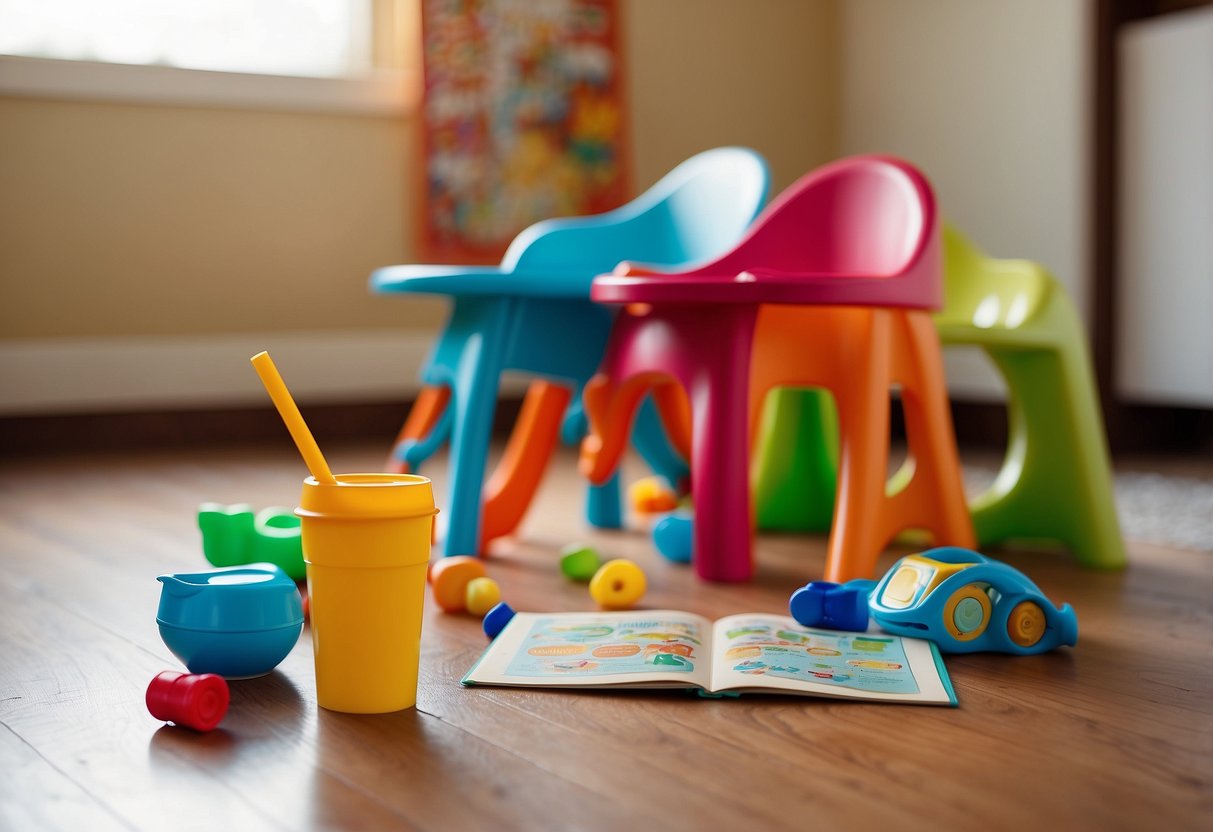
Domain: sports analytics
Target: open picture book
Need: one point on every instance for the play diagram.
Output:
(747, 653)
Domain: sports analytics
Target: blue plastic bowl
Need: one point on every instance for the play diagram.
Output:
(231, 655)
(239, 622)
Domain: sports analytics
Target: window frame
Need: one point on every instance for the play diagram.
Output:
(392, 88)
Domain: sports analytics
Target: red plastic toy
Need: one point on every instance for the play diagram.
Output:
(197, 701)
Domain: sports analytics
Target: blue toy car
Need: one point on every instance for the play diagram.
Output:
(965, 603)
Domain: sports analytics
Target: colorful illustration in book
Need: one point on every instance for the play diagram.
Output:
(573, 667)
(758, 668)
(871, 665)
(616, 651)
(844, 659)
(575, 632)
(675, 647)
(636, 645)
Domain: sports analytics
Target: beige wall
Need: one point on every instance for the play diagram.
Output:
(705, 73)
(146, 220)
(990, 98)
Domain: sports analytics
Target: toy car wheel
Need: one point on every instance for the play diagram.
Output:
(1026, 624)
(967, 613)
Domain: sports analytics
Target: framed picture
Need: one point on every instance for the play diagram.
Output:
(522, 119)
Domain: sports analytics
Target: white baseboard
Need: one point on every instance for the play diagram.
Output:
(59, 376)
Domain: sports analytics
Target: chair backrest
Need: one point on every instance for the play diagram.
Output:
(694, 213)
(870, 216)
(983, 293)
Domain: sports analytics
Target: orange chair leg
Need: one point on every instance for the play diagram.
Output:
(424, 415)
(862, 393)
(609, 409)
(933, 496)
(516, 479)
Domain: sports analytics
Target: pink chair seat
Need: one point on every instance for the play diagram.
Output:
(860, 232)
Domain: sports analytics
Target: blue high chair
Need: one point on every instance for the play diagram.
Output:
(532, 314)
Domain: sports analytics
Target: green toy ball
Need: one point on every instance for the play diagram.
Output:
(579, 562)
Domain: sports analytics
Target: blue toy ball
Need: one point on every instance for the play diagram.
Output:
(672, 537)
(496, 619)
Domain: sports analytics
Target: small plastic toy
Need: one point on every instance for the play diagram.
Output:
(618, 584)
(496, 619)
(672, 535)
(238, 622)
(449, 579)
(651, 495)
(963, 601)
(831, 605)
(481, 595)
(192, 701)
(232, 536)
(579, 562)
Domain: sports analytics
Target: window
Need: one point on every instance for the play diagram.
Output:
(324, 38)
(336, 56)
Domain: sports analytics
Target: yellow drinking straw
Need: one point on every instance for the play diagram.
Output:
(289, 411)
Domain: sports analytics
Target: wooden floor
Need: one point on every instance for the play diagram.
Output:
(1114, 734)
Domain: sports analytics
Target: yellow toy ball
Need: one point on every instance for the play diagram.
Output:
(618, 584)
(651, 496)
(482, 595)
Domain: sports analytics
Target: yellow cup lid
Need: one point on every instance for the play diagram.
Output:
(368, 496)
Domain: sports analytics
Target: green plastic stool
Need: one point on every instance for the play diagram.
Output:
(1056, 480)
(795, 467)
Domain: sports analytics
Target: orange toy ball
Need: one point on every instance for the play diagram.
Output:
(651, 496)
(449, 579)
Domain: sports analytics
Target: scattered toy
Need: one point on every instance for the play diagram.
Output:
(449, 579)
(482, 595)
(651, 495)
(496, 619)
(238, 621)
(197, 701)
(672, 537)
(832, 606)
(233, 536)
(618, 584)
(963, 601)
(579, 562)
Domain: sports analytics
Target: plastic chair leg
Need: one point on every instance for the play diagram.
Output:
(862, 394)
(1056, 480)
(930, 495)
(513, 484)
(796, 462)
(474, 401)
(651, 442)
(423, 417)
(604, 505)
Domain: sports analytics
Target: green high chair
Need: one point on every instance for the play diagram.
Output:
(1056, 479)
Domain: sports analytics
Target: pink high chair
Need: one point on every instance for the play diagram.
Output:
(831, 287)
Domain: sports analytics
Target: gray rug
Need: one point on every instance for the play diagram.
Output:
(1153, 508)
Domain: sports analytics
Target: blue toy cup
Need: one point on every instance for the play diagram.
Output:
(238, 621)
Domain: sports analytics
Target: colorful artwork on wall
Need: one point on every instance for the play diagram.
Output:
(522, 119)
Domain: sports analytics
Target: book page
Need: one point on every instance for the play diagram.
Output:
(644, 648)
(773, 653)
